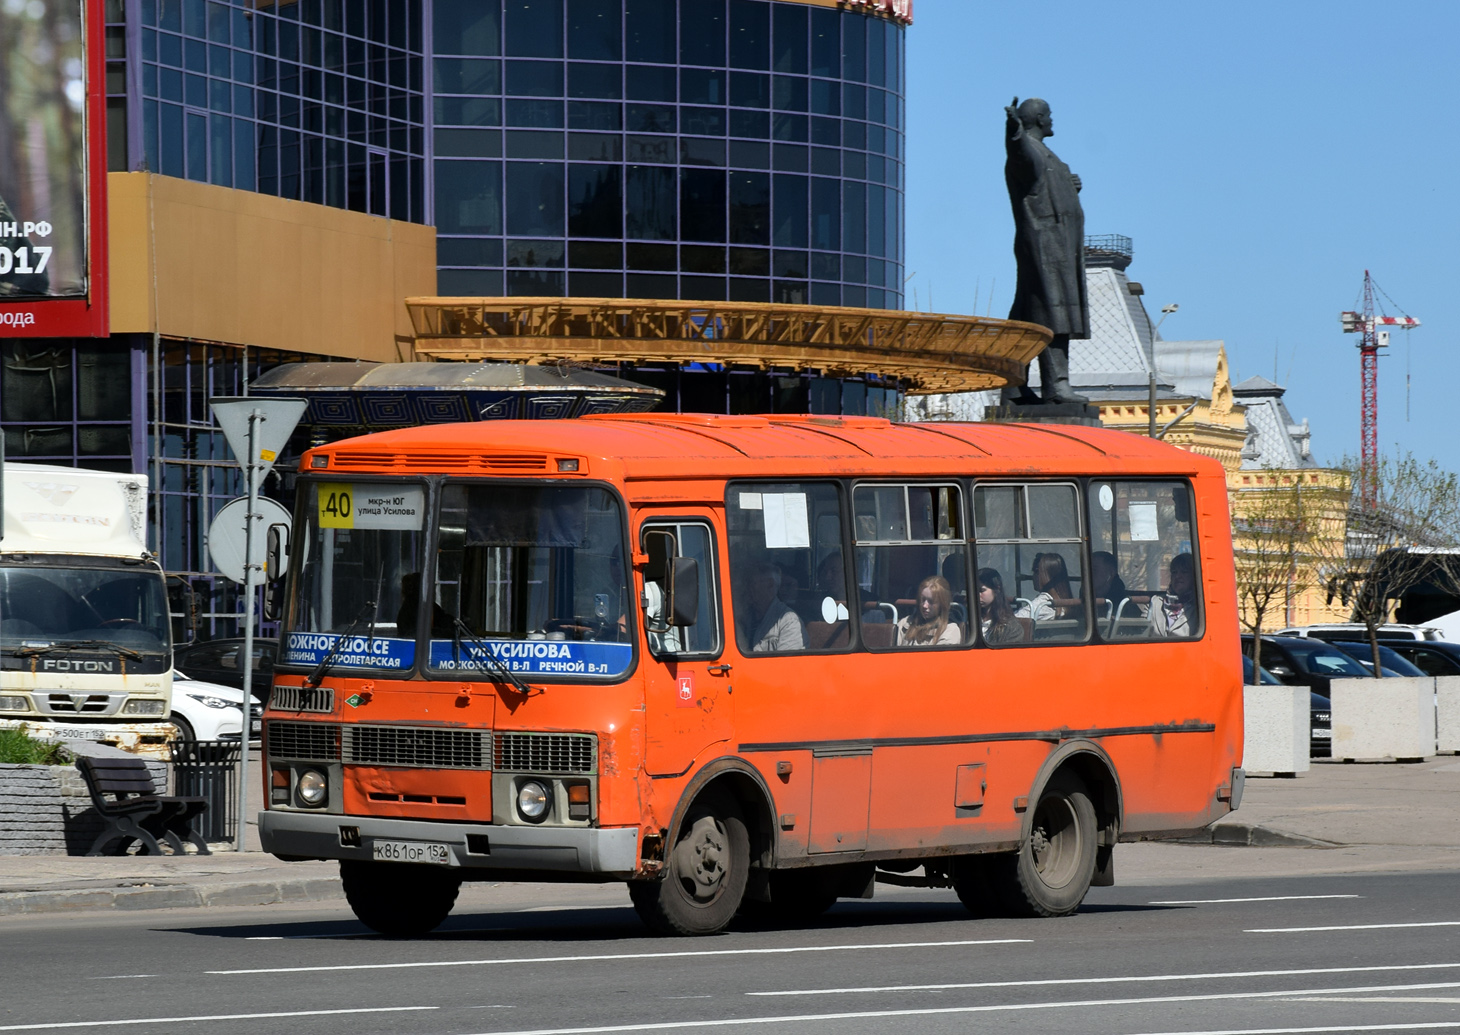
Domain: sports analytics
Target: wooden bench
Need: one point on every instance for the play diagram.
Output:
(123, 793)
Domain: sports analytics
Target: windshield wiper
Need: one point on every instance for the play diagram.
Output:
(503, 673)
(46, 648)
(317, 676)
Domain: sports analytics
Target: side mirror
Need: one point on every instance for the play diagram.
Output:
(659, 608)
(276, 553)
(1281, 671)
(684, 598)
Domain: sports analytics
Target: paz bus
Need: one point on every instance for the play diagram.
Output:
(750, 664)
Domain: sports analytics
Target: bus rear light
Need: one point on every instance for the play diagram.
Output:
(578, 803)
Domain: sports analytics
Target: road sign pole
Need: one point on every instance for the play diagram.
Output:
(251, 582)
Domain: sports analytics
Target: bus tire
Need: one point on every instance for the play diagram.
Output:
(1053, 868)
(399, 901)
(705, 874)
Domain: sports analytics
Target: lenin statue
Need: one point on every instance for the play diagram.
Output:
(1049, 242)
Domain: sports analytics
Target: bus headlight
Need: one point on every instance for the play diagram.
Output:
(533, 801)
(312, 789)
(14, 704)
(142, 707)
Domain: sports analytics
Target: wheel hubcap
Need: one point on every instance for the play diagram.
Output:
(700, 859)
(1054, 842)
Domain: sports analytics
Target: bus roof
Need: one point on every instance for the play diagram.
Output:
(698, 446)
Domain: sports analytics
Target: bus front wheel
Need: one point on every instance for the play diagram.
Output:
(399, 901)
(1052, 870)
(705, 874)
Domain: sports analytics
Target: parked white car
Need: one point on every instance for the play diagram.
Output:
(209, 711)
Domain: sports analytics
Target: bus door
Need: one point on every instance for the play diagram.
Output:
(686, 694)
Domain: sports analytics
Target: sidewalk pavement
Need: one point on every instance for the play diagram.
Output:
(1414, 808)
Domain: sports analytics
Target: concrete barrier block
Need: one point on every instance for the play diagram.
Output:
(1447, 717)
(1276, 724)
(1380, 719)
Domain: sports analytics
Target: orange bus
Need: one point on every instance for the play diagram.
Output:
(750, 663)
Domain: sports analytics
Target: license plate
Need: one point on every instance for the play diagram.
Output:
(69, 733)
(257, 726)
(410, 852)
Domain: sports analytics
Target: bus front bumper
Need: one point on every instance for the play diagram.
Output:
(473, 846)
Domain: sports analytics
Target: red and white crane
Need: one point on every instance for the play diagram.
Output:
(1375, 331)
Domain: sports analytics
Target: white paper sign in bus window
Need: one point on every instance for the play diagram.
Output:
(786, 523)
(1143, 528)
(396, 507)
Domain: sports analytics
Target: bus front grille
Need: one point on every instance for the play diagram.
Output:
(303, 699)
(547, 752)
(421, 747)
(314, 741)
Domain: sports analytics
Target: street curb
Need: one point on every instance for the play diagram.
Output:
(1252, 835)
(181, 896)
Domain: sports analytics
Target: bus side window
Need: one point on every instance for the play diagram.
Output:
(1029, 542)
(681, 589)
(789, 578)
(1144, 576)
(912, 565)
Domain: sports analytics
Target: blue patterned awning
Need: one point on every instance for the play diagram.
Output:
(374, 396)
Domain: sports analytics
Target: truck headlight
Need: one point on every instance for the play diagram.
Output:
(212, 702)
(312, 789)
(143, 707)
(9, 703)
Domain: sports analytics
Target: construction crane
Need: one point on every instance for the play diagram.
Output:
(1375, 331)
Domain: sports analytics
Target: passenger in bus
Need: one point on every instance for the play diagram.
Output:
(443, 626)
(1173, 612)
(831, 581)
(1051, 584)
(772, 626)
(929, 625)
(1105, 579)
(995, 617)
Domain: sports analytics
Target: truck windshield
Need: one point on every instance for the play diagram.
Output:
(86, 608)
(359, 547)
(536, 576)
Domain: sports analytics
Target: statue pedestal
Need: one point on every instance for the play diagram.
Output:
(1043, 413)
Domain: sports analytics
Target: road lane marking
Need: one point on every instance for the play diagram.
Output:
(118, 977)
(1418, 1026)
(1349, 927)
(209, 1017)
(626, 956)
(1081, 1004)
(1375, 999)
(1224, 901)
(1138, 978)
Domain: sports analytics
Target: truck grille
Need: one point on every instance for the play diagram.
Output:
(78, 704)
(424, 747)
(546, 752)
(315, 741)
(303, 699)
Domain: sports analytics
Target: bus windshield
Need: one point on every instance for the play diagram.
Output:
(536, 575)
(42, 607)
(359, 547)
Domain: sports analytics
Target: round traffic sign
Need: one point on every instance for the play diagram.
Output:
(226, 537)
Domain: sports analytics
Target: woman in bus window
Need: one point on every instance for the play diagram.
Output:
(1174, 613)
(929, 625)
(995, 617)
(1051, 584)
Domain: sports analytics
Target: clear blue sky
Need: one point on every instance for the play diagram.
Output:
(1261, 156)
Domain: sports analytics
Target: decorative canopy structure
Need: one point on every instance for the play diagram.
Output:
(397, 395)
(926, 352)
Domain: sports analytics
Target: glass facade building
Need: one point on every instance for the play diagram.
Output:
(741, 150)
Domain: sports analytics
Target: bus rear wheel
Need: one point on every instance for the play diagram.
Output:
(1052, 871)
(399, 901)
(704, 876)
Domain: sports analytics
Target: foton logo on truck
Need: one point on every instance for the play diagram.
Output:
(78, 666)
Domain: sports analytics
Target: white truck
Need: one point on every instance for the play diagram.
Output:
(85, 633)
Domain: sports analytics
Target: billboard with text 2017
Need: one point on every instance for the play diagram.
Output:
(52, 170)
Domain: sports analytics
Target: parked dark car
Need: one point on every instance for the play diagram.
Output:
(1305, 662)
(221, 661)
(1391, 661)
(1432, 657)
(1320, 727)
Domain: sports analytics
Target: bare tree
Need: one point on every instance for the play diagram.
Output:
(1282, 529)
(1409, 536)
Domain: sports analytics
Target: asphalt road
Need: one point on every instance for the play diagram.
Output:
(1316, 953)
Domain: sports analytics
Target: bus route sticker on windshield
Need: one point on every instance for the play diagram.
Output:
(395, 507)
(304, 648)
(786, 523)
(534, 657)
